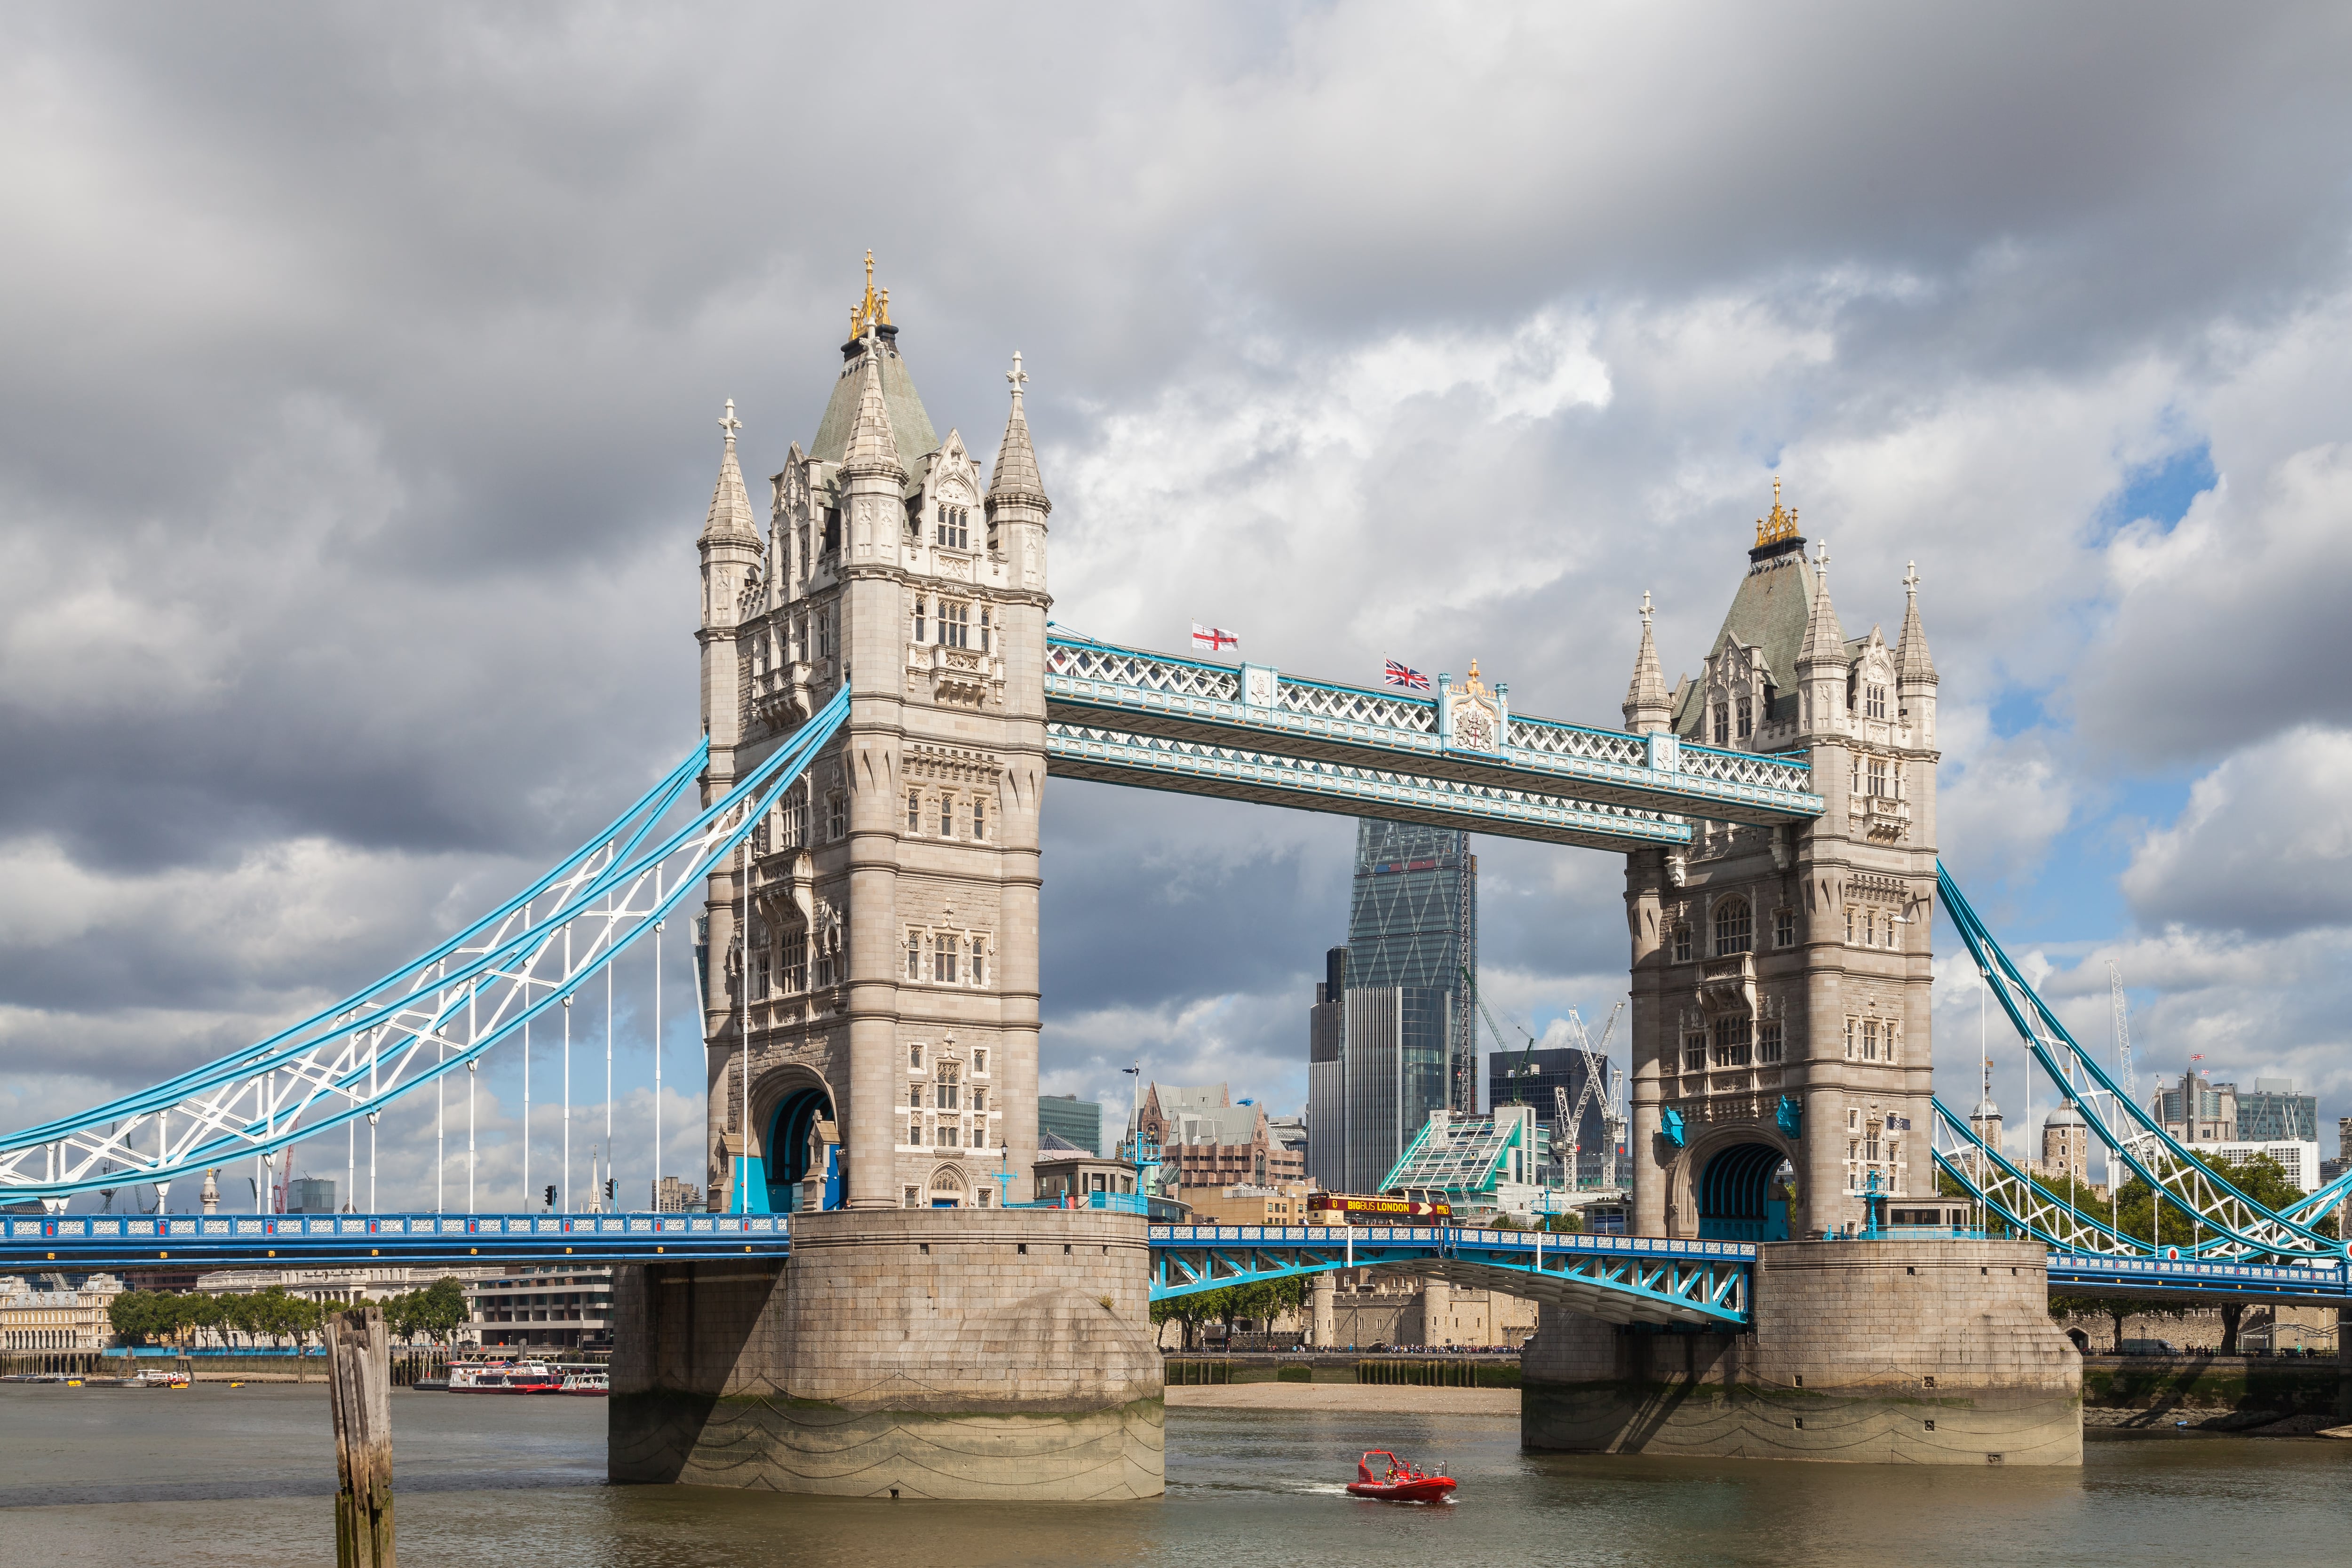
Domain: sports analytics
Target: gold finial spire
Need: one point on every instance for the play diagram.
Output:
(1781, 525)
(1474, 685)
(872, 311)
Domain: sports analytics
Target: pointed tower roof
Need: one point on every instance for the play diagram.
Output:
(871, 334)
(1912, 662)
(872, 444)
(731, 509)
(1017, 477)
(1646, 706)
(1824, 639)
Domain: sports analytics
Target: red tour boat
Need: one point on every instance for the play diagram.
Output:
(1393, 1480)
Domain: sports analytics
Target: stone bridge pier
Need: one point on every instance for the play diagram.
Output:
(1002, 1353)
(1938, 1353)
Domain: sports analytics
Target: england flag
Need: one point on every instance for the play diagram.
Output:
(1216, 639)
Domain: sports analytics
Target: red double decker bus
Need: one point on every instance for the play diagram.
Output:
(1340, 1208)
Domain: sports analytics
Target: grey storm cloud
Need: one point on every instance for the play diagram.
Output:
(357, 422)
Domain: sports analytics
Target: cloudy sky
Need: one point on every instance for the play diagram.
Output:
(357, 418)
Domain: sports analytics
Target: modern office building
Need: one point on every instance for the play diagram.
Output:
(2275, 1113)
(560, 1306)
(310, 1195)
(2197, 1111)
(1076, 1122)
(1390, 1032)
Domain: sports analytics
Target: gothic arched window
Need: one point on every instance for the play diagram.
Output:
(1747, 718)
(1733, 927)
(1722, 725)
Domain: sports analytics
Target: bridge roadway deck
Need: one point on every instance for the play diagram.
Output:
(1619, 1279)
(346, 1240)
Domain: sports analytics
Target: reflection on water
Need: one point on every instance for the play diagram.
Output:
(243, 1477)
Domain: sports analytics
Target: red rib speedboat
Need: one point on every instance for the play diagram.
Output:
(1390, 1479)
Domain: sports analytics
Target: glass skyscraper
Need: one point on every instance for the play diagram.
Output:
(1392, 1037)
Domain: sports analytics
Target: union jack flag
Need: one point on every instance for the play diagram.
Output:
(1216, 639)
(1411, 680)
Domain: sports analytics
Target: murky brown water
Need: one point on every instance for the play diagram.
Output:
(245, 1477)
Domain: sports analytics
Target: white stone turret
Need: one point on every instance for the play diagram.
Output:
(1821, 662)
(1017, 507)
(1646, 705)
(1914, 671)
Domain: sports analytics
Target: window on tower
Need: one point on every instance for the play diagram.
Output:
(947, 1085)
(914, 812)
(954, 527)
(979, 975)
(944, 955)
(1878, 778)
(832, 529)
(919, 618)
(915, 956)
(984, 628)
(1733, 927)
(1784, 927)
(1746, 718)
(1694, 1051)
(1682, 944)
(947, 816)
(837, 816)
(1873, 702)
(979, 819)
(955, 624)
(1722, 725)
(1768, 1041)
(1732, 1042)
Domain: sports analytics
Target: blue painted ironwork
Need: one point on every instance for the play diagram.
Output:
(1311, 784)
(222, 1241)
(428, 1017)
(1623, 1280)
(2224, 1222)
(2175, 1273)
(1361, 734)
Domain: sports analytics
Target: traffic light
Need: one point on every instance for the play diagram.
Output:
(608, 1189)
(551, 1197)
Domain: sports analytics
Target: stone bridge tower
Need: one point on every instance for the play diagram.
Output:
(1781, 975)
(891, 970)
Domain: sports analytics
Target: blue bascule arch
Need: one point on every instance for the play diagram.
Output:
(2219, 1224)
(432, 1015)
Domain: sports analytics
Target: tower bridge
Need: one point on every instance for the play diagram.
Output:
(882, 701)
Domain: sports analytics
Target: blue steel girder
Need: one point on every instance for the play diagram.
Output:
(1094, 685)
(1623, 1279)
(1186, 767)
(2178, 1275)
(69, 1242)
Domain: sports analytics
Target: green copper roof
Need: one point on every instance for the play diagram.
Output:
(1769, 612)
(908, 422)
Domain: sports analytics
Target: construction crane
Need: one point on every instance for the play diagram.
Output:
(1604, 1089)
(1524, 1069)
(2126, 1076)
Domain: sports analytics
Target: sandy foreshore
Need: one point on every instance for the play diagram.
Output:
(1351, 1399)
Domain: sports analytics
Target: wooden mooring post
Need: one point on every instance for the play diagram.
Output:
(359, 1383)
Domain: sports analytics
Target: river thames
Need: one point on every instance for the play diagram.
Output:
(245, 1477)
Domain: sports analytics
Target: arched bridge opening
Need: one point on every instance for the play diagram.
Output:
(797, 1148)
(1743, 1195)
